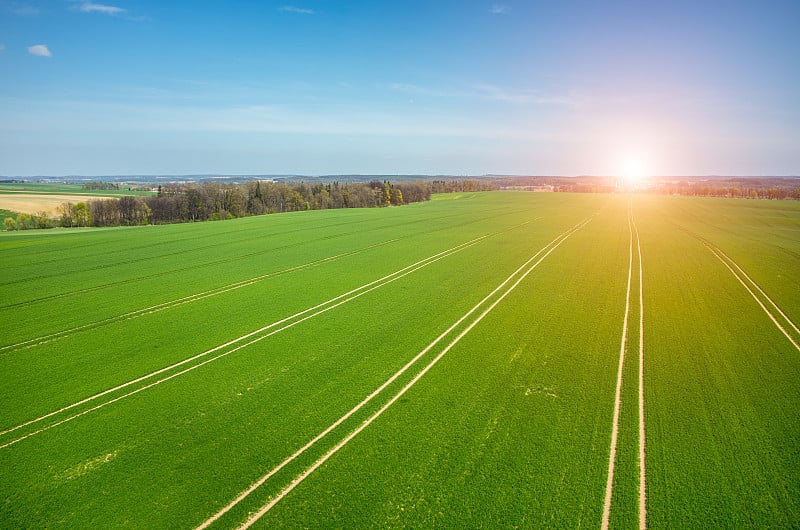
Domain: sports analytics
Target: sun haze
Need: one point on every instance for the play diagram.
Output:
(634, 170)
(447, 87)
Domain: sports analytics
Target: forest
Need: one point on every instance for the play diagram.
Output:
(212, 201)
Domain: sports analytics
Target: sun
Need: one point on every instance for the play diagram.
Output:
(634, 171)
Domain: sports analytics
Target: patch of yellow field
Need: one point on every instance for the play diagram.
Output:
(33, 203)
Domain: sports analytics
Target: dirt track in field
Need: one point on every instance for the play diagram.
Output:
(34, 203)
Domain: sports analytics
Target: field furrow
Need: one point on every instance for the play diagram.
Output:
(720, 380)
(625, 503)
(479, 360)
(517, 276)
(231, 346)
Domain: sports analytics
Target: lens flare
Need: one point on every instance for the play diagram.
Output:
(634, 171)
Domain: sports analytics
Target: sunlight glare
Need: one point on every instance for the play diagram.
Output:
(634, 171)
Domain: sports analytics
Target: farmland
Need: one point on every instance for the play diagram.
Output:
(449, 363)
(34, 198)
(43, 188)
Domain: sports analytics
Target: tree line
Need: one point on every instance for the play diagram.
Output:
(211, 201)
(96, 185)
(462, 185)
(740, 188)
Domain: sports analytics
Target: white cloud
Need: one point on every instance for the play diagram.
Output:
(496, 93)
(348, 120)
(89, 7)
(299, 10)
(492, 93)
(423, 91)
(500, 9)
(40, 50)
(20, 9)
(2, 47)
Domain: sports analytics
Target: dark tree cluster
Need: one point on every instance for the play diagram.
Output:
(24, 221)
(740, 187)
(732, 187)
(584, 184)
(462, 185)
(212, 201)
(93, 185)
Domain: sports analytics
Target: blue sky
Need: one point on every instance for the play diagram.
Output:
(554, 87)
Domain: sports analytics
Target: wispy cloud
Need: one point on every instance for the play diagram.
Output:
(347, 120)
(299, 10)
(89, 7)
(500, 9)
(40, 50)
(2, 47)
(491, 92)
(524, 96)
(423, 91)
(16, 8)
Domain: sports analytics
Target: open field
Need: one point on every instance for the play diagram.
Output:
(470, 361)
(34, 198)
(64, 189)
(34, 203)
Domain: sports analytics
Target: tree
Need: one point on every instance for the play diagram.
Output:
(235, 201)
(127, 210)
(67, 215)
(23, 221)
(295, 202)
(10, 223)
(81, 213)
(196, 204)
(101, 186)
(104, 212)
(397, 197)
(143, 213)
(387, 194)
(42, 220)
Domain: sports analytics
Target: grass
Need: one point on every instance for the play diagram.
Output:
(722, 380)
(504, 431)
(65, 189)
(510, 428)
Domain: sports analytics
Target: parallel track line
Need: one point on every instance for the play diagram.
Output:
(642, 459)
(319, 308)
(618, 392)
(36, 341)
(716, 253)
(551, 246)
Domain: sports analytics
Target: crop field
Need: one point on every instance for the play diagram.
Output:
(34, 198)
(35, 203)
(43, 188)
(501, 359)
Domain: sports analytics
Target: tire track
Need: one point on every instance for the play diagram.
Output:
(205, 264)
(745, 279)
(633, 231)
(43, 339)
(642, 437)
(37, 341)
(750, 285)
(219, 261)
(251, 236)
(251, 338)
(152, 276)
(92, 251)
(617, 394)
(547, 249)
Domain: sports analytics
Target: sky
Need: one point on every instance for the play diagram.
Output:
(550, 87)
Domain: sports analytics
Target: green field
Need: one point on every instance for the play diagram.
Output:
(451, 363)
(66, 189)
